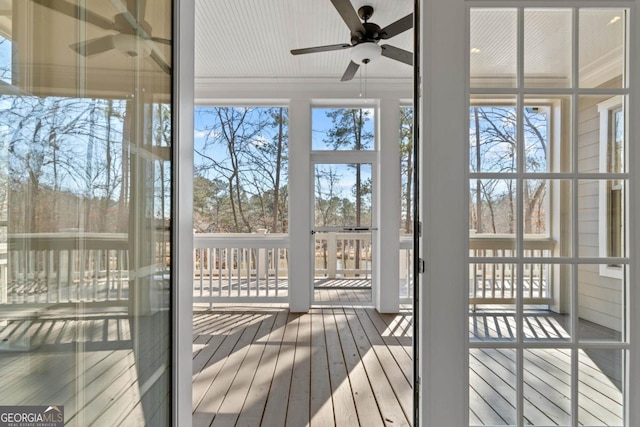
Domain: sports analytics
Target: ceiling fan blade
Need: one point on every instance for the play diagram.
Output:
(397, 54)
(400, 26)
(349, 16)
(163, 65)
(326, 48)
(161, 40)
(350, 71)
(137, 8)
(77, 12)
(93, 46)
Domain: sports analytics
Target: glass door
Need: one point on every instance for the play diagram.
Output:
(342, 230)
(86, 119)
(548, 253)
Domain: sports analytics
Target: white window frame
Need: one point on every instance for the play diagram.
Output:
(605, 109)
(363, 156)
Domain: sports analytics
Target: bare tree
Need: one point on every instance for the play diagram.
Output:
(406, 164)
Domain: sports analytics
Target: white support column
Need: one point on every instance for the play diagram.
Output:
(300, 187)
(182, 250)
(387, 239)
(443, 295)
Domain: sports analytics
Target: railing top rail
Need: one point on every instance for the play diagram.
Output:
(66, 241)
(240, 240)
(505, 241)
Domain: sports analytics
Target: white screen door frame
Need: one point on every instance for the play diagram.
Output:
(444, 347)
(368, 157)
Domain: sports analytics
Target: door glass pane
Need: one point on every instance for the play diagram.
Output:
(343, 252)
(552, 289)
(601, 299)
(85, 210)
(493, 129)
(342, 195)
(547, 387)
(487, 320)
(492, 391)
(601, 130)
(600, 386)
(547, 47)
(601, 47)
(493, 47)
(547, 133)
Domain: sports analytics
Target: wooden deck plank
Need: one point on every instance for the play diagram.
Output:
(203, 379)
(117, 389)
(321, 405)
(253, 409)
(395, 344)
(300, 395)
(554, 376)
(275, 413)
(488, 388)
(368, 411)
(343, 403)
(235, 397)
(215, 380)
(504, 366)
(388, 402)
(400, 384)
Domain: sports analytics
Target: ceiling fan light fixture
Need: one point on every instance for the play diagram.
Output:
(131, 45)
(365, 52)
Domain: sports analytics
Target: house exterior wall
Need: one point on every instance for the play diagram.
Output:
(600, 298)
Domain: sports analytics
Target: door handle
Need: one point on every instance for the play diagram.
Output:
(359, 228)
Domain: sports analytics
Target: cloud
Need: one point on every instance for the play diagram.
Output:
(204, 134)
(260, 141)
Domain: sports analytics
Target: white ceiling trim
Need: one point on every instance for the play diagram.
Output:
(209, 90)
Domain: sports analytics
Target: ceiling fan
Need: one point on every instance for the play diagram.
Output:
(133, 36)
(365, 37)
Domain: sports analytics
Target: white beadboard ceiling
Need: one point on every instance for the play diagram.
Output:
(252, 39)
(244, 39)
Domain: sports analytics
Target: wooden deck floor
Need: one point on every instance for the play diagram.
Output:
(547, 373)
(342, 290)
(263, 366)
(48, 355)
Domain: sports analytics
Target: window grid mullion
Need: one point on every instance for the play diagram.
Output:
(573, 304)
(520, 152)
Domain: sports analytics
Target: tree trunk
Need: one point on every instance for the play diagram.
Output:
(478, 181)
(276, 190)
(408, 221)
(123, 200)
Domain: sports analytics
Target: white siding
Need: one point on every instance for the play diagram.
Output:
(600, 298)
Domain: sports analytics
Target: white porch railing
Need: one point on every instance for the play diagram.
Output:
(343, 254)
(495, 281)
(254, 267)
(406, 269)
(63, 268)
(241, 266)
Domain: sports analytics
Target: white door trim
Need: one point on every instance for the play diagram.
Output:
(443, 309)
(182, 248)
